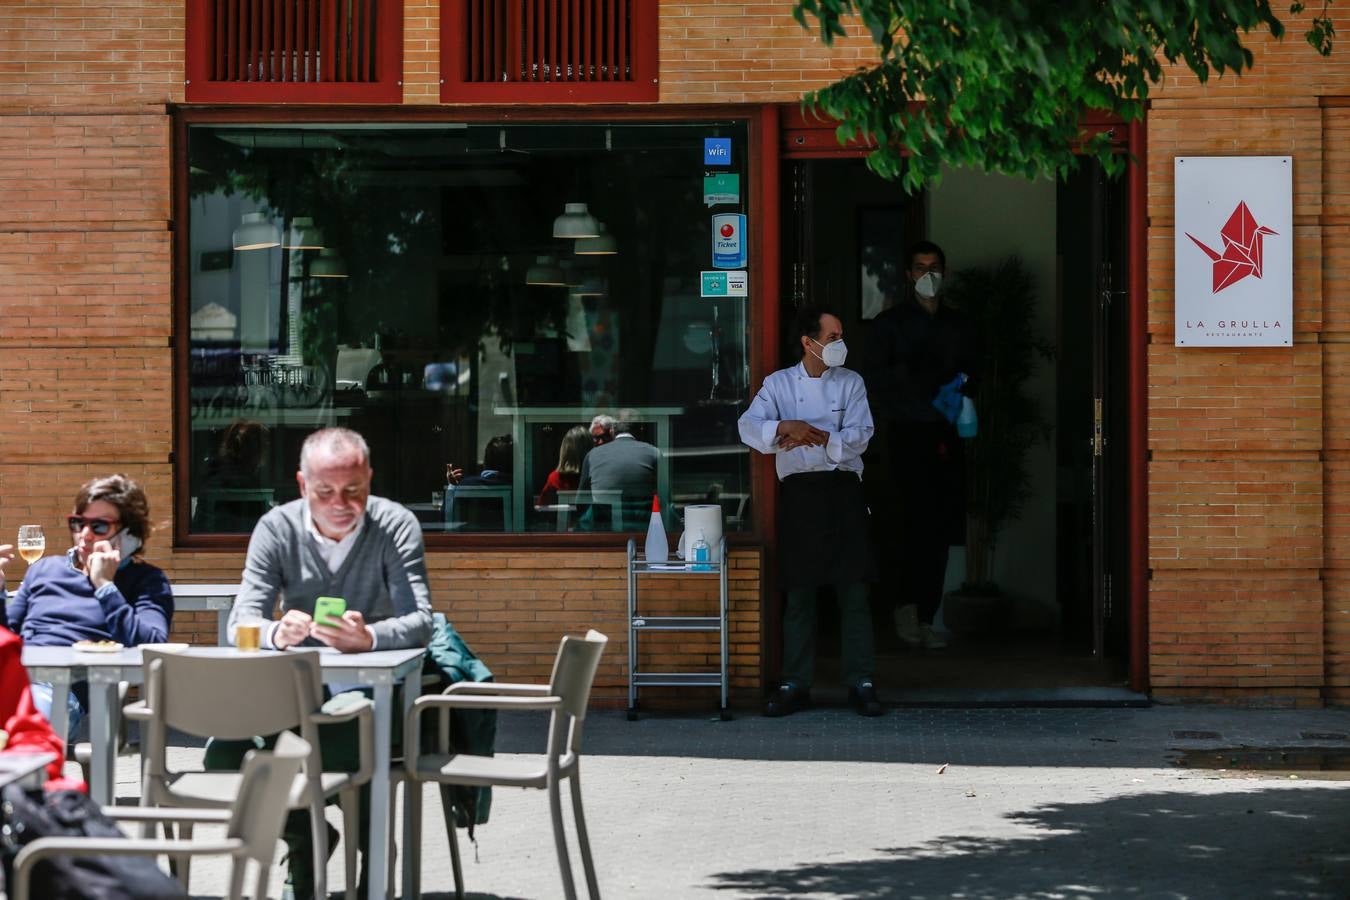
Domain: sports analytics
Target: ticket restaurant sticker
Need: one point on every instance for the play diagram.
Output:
(728, 241)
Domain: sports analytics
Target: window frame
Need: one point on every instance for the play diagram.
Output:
(762, 180)
(644, 87)
(386, 88)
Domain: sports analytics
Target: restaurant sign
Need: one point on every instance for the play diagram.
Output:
(1234, 282)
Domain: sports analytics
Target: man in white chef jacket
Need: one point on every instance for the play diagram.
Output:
(814, 418)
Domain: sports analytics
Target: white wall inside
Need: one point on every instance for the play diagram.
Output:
(979, 220)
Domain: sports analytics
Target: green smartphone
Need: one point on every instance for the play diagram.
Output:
(329, 610)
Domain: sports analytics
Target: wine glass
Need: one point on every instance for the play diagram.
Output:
(32, 543)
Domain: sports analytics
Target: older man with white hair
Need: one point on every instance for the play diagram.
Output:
(337, 540)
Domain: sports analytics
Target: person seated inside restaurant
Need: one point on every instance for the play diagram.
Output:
(576, 443)
(488, 512)
(232, 496)
(602, 429)
(497, 465)
(99, 590)
(371, 556)
(624, 465)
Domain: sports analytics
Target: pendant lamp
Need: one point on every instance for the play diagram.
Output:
(546, 273)
(329, 264)
(302, 235)
(256, 233)
(601, 245)
(575, 222)
(591, 286)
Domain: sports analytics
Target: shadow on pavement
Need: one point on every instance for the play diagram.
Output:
(1276, 842)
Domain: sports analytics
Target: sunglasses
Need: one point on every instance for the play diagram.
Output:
(99, 527)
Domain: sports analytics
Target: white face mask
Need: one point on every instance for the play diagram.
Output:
(832, 354)
(928, 285)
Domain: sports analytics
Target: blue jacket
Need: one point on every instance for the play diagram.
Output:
(57, 605)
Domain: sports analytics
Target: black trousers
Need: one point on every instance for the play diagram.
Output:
(928, 470)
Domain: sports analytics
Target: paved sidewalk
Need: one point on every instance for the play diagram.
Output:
(824, 804)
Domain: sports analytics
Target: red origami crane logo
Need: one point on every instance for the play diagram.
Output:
(1241, 254)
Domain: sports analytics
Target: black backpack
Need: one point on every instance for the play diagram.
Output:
(29, 814)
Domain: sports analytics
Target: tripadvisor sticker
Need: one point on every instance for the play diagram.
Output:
(719, 189)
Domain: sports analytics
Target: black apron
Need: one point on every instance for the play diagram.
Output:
(822, 531)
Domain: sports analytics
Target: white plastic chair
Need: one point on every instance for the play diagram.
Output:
(565, 697)
(253, 825)
(207, 694)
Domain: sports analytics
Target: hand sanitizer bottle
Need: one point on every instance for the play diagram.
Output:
(967, 422)
(658, 548)
(701, 554)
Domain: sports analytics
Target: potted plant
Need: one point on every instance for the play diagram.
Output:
(1000, 303)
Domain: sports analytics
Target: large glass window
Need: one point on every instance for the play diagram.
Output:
(423, 285)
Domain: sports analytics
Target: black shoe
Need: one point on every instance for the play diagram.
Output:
(863, 697)
(786, 699)
(300, 867)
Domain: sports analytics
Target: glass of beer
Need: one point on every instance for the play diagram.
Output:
(32, 543)
(248, 635)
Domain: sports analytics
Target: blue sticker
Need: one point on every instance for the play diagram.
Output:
(717, 151)
(728, 241)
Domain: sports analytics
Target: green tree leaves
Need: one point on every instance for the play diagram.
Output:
(1001, 85)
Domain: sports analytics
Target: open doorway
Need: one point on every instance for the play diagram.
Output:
(1059, 622)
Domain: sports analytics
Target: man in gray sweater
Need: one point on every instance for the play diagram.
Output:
(335, 541)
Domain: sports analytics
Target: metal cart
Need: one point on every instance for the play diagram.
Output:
(638, 623)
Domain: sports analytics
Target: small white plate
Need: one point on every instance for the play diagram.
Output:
(97, 648)
(165, 648)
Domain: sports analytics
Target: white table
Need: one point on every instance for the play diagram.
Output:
(381, 669)
(28, 769)
(60, 671)
(218, 598)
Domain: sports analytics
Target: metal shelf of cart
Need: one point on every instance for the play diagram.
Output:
(639, 623)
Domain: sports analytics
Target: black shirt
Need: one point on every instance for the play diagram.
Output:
(911, 354)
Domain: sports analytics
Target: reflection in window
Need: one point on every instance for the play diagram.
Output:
(473, 299)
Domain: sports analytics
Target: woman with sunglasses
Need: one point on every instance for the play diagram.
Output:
(100, 590)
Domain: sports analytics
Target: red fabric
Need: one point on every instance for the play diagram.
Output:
(29, 731)
(557, 481)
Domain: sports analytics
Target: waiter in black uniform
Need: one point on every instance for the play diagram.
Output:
(913, 349)
(814, 418)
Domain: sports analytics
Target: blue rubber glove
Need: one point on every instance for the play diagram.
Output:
(948, 399)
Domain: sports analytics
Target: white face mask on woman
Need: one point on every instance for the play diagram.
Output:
(832, 354)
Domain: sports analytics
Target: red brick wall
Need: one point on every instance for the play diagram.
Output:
(1247, 476)
(1250, 449)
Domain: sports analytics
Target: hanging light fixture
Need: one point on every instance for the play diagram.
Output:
(601, 245)
(575, 222)
(303, 235)
(545, 272)
(329, 264)
(591, 286)
(256, 233)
